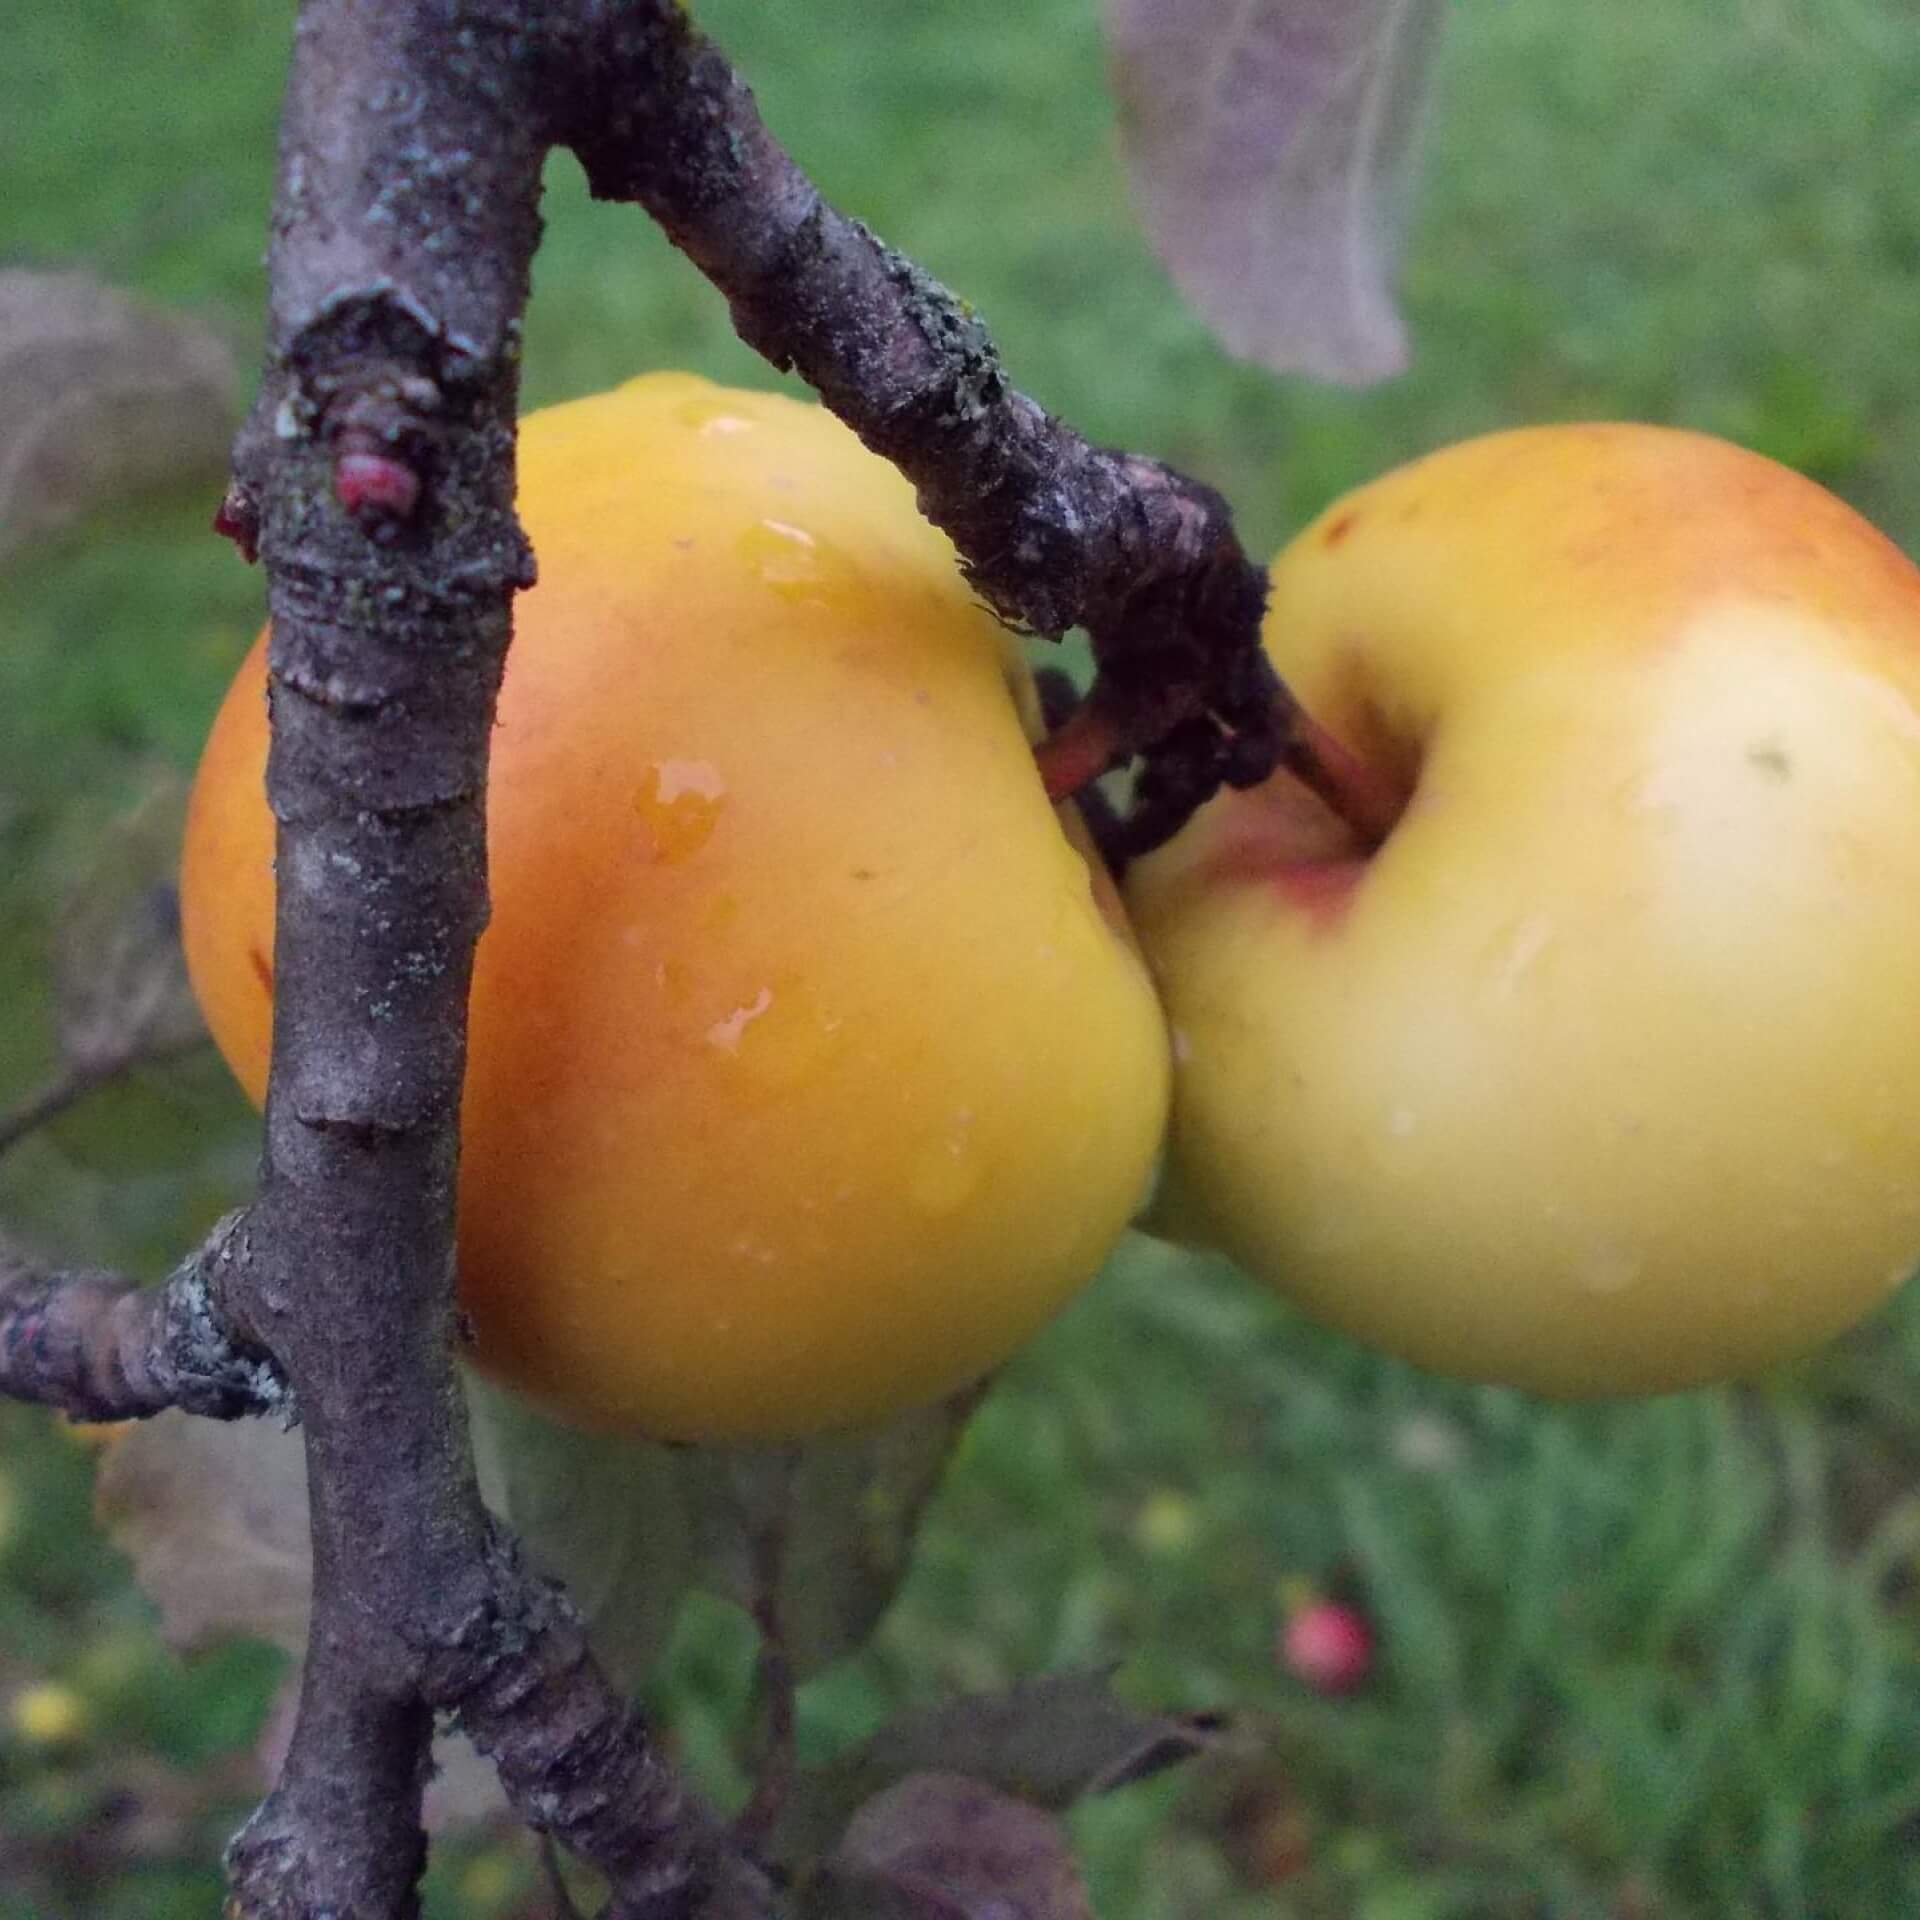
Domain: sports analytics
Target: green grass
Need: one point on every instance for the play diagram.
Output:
(1657, 1661)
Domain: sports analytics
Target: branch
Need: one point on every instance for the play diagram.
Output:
(774, 1679)
(45, 1105)
(81, 1079)
(376, 477)
(1052, 531)
(103, 1348)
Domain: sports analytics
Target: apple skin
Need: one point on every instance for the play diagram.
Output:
(1602, 1073)
(812, 1067)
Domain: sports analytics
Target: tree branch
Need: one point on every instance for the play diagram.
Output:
(100, 1347)
(375, 478)
(81, 1079)
(45, 1105)
(1052, 531)
(376, 475)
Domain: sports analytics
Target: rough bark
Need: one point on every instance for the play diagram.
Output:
(1052, 531)
(102, 1347)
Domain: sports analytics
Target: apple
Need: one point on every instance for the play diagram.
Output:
(1600, 1072)
(812, 1066)
(1326, 1646)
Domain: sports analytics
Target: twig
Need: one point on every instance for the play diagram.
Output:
(45, 1104)
(1053, 532)
(773, 1689)
(100, 1347)
(376, 472)
(74, 1083)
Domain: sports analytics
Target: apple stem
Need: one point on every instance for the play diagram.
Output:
(1078, 751)
(1090, 741)
(1366, 800)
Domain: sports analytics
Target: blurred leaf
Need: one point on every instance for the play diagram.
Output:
(843, 1510)
(1052, 1741)
(100, 398)
(605, 1513)
(213, 1515)
(631, 1525)
(120, 979)
(1270, 147)
(938, 1846)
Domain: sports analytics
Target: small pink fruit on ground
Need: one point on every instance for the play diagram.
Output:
(1327, 1646)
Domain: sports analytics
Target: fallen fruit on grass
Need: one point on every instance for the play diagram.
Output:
(1326, 1646)
(812, 1067)
(1601, 1073)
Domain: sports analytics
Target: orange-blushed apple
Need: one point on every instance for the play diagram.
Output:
(812, 1066)
(1600, 1073)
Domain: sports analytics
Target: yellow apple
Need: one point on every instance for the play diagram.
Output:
(1601, 1073)
(812, 1067)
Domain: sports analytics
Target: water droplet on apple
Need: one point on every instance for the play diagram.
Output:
(674, 979)
(709, 415)
(727, 1034)
(795, 563)
(1608, 1270)
(719, 913)
(946, 1172)
(779, 1038)
(1521, 954)
(681, 802)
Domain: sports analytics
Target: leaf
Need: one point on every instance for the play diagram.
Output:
(213, 1515)
(101, 397)
(120, 979)
(938, 1846)
(1054, 1741)
(631, 1525)
(843, 1511)
(1269, 144)
(605, 1513)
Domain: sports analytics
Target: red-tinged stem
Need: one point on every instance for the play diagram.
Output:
(1079, 751)
(1091, 740)
(1368, 801)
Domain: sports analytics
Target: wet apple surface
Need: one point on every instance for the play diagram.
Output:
(812, 1067)
(1602, 1073)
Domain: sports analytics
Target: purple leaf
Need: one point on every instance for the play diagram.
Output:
(101, 396)
(214, 1518)
(1269, 144)
(1053, 1740)
(120, 980)
(938, 1846)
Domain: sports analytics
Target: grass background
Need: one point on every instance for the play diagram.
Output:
(1635, 1661)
